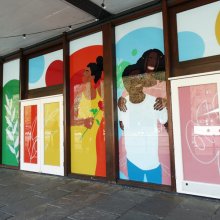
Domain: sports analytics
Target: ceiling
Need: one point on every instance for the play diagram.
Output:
(41, 20)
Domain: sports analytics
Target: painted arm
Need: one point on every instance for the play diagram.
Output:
(87, 122)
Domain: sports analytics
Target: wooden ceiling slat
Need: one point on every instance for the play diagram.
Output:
(91, 8)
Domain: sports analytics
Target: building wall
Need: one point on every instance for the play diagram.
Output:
(186, 47)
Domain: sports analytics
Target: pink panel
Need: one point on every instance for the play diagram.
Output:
(200, 133)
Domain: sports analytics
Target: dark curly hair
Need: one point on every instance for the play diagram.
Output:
(140, 66)
(160, 66)
(96, 68)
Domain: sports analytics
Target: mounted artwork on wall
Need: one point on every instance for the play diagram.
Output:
(197, 133)
(199, 34)
(10, 113)
(141, 91)
(45, 70)
(88, 152)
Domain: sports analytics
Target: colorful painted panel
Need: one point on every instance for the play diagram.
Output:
(141, 91)
(199, 34)
(200, 132)
(30, 134)
(46, 70)
(10, 113)
(52, 134)
(88, 151)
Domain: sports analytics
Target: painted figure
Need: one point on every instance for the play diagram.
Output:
(139, 114)
(89, 155)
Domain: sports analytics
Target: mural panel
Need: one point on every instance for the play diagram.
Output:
(200, 132)
(45, 70)
(199, 34)
(52, 134)
(88, 152)
(30, 134)
(142, 112)
(10, 113)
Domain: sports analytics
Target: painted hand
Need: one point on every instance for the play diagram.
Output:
(160, 103)
(122, 104)
(88, 122)
(121, 125)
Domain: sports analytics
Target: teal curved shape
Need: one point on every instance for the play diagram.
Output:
(131, 47)
(190, 46)
(36, 68)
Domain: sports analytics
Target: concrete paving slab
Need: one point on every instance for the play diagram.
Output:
(4, 216)
(188, 214)
(136, 215)
(159, 205)
(114, 204)
(92, 214)
(23, 205)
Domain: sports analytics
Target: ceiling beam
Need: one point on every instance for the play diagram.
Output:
(91, 8)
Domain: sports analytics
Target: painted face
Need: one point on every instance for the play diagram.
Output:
(87, 76)
(151, 62)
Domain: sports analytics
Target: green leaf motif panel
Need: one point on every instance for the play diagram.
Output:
(10, 123)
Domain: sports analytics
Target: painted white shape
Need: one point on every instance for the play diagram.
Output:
(92, 39)
(11, 70)
(207, 130)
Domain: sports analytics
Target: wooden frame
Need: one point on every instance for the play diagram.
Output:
(168, 70)
(66, 105)
(1, 92)
(109, 122)
(147, 12)
(52, 90)
(110, 103)
(192, 66)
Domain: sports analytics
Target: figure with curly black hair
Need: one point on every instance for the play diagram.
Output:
(140, 117)
(89, 154)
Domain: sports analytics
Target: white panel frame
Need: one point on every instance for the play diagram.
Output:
(56, 170)
(190, 187)
(23, 165)
(40, 167)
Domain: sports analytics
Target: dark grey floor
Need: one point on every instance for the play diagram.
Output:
(26, 195)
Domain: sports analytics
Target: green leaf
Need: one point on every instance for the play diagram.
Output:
(94, 111)
(97, 121)
(120, 68)
(134, 52)
(11, 149)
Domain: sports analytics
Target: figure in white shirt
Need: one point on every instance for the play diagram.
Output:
(139, 123)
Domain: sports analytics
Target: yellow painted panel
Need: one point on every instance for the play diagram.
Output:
(52, 134)
(217, 28)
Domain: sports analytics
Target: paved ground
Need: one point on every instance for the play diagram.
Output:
(26, 195)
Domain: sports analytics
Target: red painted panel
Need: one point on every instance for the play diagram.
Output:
(30, 134)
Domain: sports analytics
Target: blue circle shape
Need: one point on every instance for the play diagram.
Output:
(191, 46)
(140, 40)
(36, 68)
